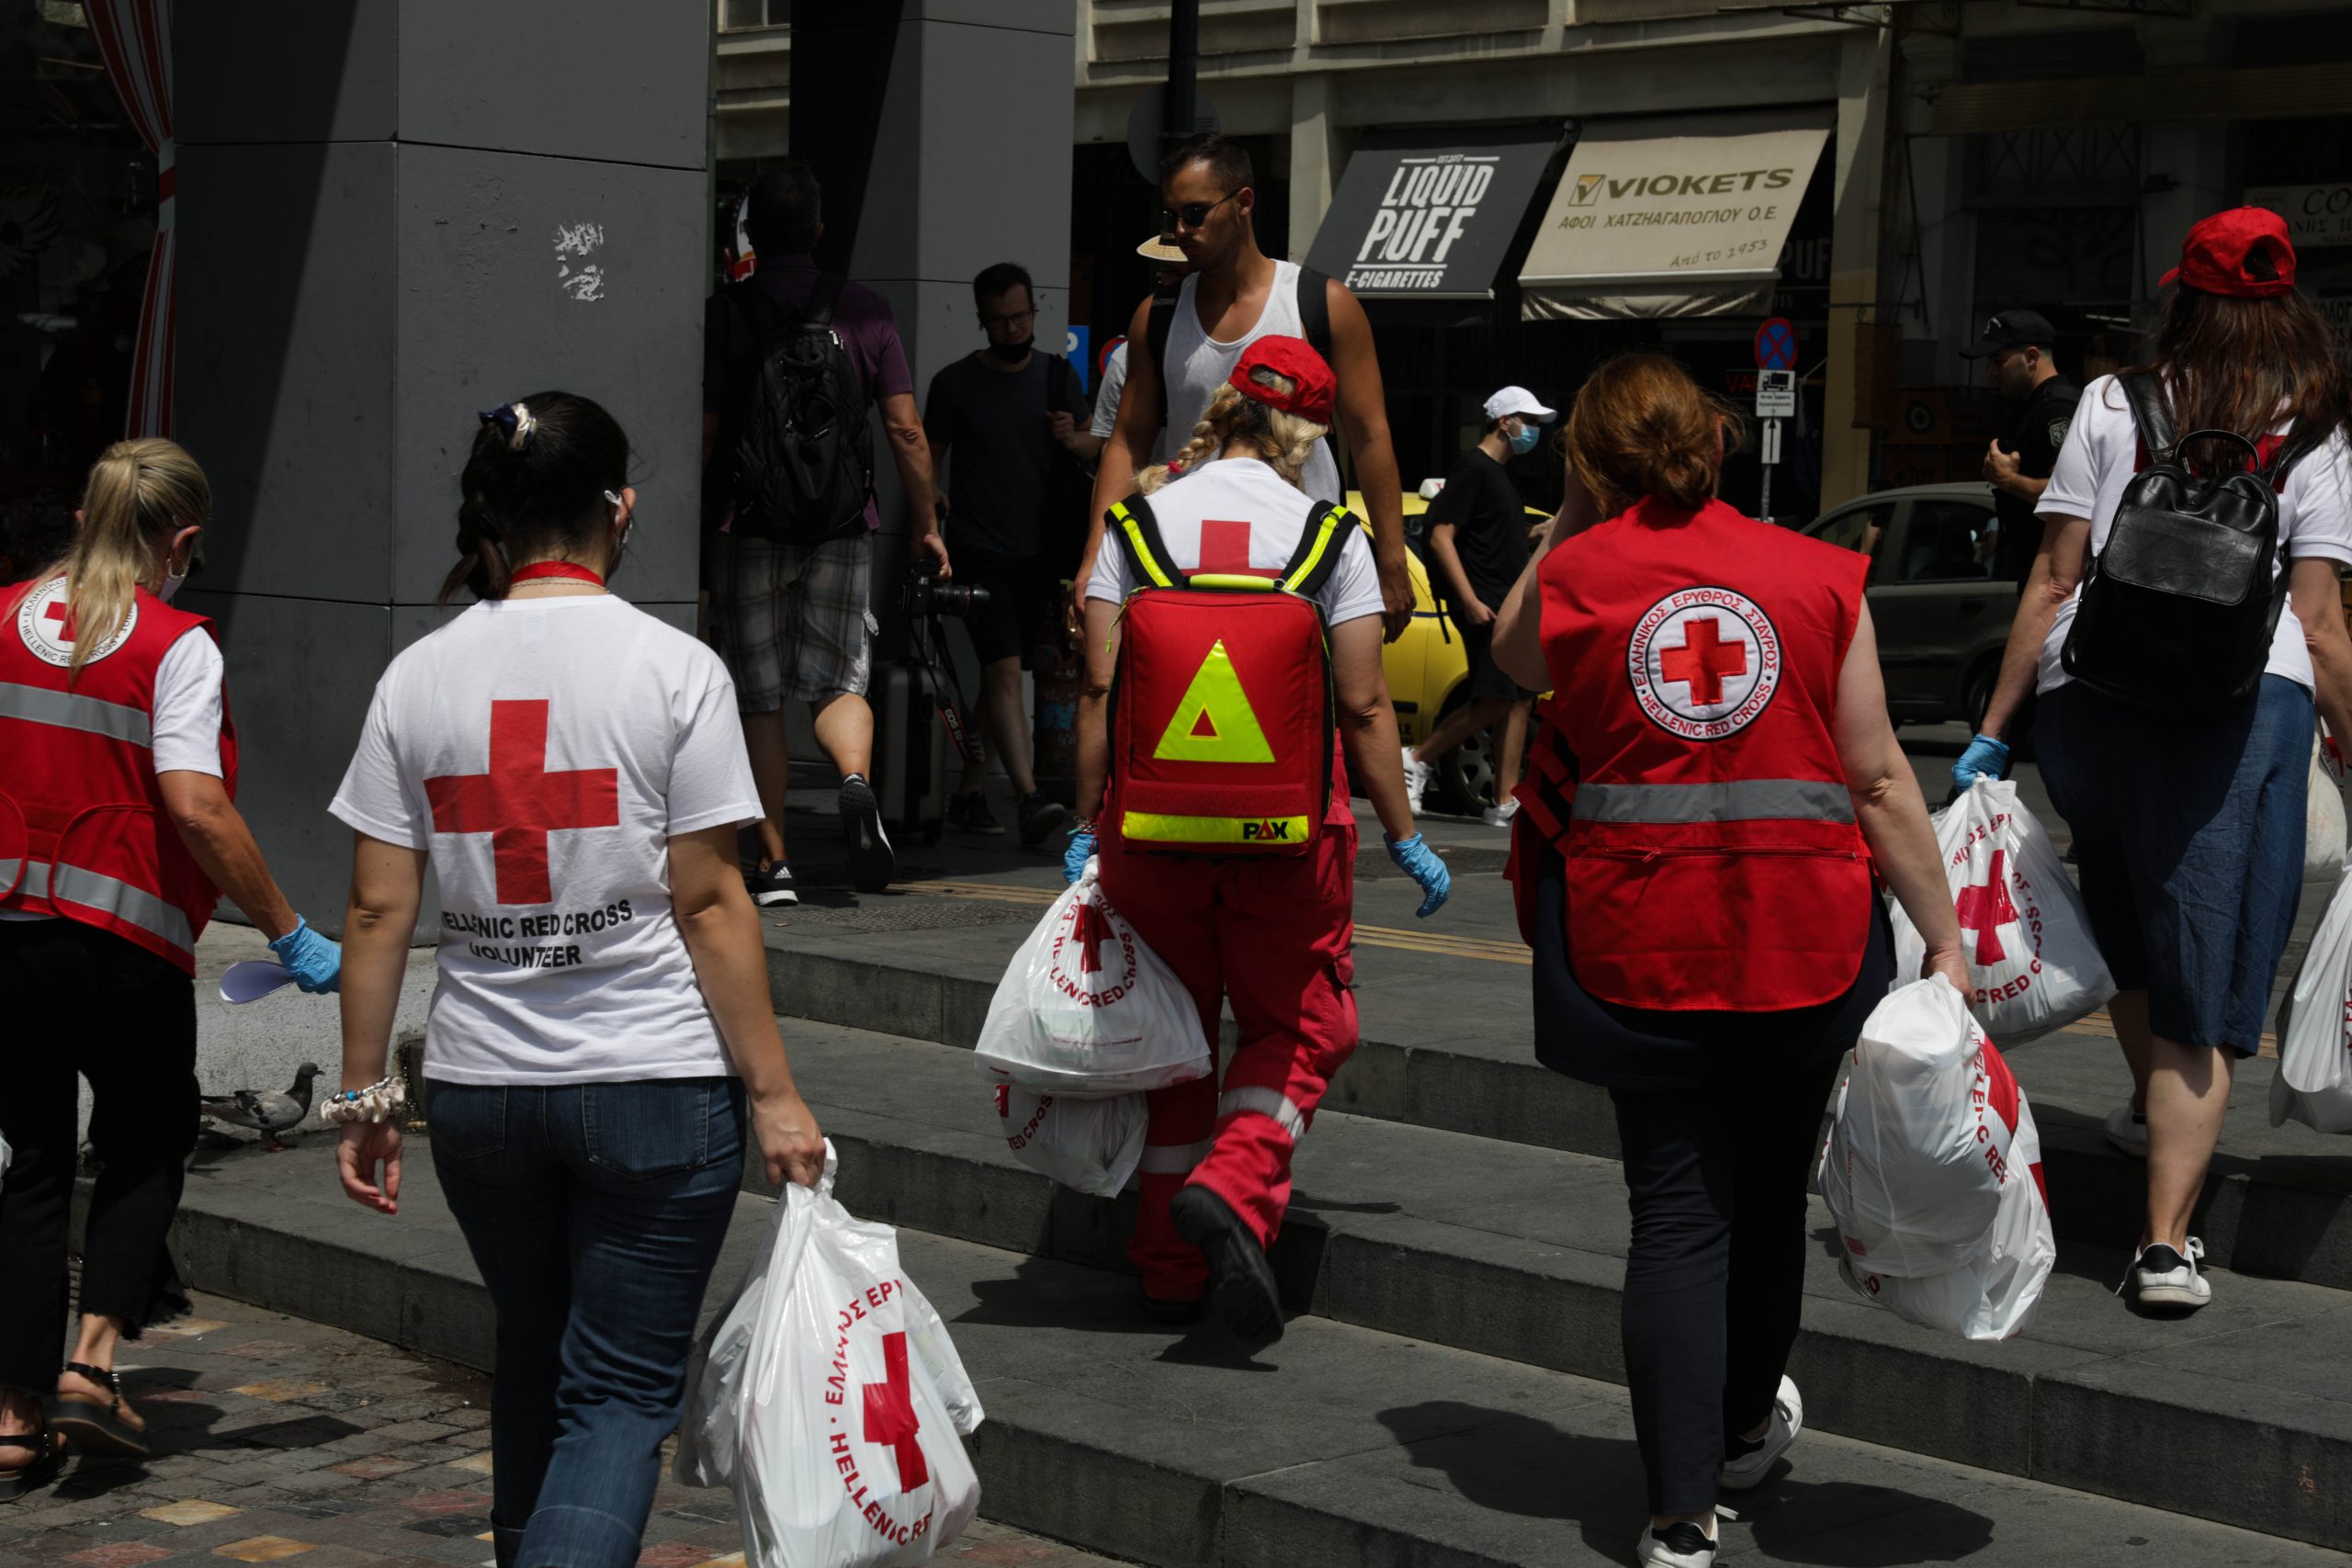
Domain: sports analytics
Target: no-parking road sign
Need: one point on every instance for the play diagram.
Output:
(1776, 345)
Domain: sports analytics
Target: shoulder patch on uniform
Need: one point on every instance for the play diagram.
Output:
(1703, 662)
(2058, 430)
(45, 626)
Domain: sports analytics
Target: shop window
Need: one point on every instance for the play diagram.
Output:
(1947, 541)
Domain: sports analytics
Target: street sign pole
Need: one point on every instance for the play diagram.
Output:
(1770, 455)
(1776, 399)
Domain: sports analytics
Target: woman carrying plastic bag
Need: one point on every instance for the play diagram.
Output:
(831, 1399)
(2025, 933)
(2314, 1083)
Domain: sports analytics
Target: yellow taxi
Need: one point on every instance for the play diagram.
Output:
(1427, 672)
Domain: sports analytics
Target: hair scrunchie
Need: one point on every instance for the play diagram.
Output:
(515, 422)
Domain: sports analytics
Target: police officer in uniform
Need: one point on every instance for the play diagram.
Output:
(1694, 855)
(1221, 806)
(2017, 350)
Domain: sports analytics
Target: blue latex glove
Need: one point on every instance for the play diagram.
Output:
(1417, 860)
(314, 961)
(1074, 858)
(1986, 757)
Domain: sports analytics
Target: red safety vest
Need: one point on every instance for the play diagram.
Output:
(1712, 859)
(84, 833)
(1223, 740)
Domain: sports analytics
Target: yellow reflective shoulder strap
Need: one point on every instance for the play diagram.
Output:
(1142, 543)
(1314, 561)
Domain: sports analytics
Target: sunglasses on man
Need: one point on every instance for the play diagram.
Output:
(1192, 214)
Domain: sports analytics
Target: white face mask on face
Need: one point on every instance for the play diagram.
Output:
(171, 585)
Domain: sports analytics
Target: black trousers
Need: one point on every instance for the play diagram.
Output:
(1714, 1279)
(82, 1001)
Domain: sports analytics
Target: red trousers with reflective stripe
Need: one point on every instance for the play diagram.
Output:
(1274, 934)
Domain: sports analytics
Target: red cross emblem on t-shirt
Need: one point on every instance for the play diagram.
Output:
(1225, 547)
(62, 614)
(890, 1414)
(1985, 909)
(518, 803)
(1703, 659)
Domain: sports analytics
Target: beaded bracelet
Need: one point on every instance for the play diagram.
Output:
(380, 1102)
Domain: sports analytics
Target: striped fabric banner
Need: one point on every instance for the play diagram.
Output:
(135, 39)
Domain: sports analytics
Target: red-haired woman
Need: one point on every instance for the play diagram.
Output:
(1707, 937)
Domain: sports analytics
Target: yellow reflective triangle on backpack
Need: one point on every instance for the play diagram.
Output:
(1214, 723)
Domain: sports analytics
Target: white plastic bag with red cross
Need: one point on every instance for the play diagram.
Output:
(1922, 1145)
(2314, 1083)
(830, 1397)
(1085, 1010)
(1087, 1145)
(2022, 927)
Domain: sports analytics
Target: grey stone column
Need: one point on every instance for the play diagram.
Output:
(393, 213)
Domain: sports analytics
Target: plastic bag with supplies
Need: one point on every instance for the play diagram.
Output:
(2023, 930)
(830, 1397)
(2314, 1083)
(1087, 1145)
(1919, 1148)
(2323, 827)
(1085, 1010)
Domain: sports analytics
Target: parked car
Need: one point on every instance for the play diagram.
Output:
(1427, 675)
(1942, 614)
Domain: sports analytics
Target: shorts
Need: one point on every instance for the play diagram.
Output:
(1486, 681)
(1019, 617)
(2188, 834)
(791, 620)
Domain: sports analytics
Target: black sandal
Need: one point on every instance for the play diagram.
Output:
(92, 1427)
(49, 1455)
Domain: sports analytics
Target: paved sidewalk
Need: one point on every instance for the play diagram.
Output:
(281, 1440)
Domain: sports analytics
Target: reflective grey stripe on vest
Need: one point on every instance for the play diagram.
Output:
(90, 890)
(8, 869)
(1741, 800)
(66, 711)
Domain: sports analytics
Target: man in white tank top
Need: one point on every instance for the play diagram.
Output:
(1236, 294)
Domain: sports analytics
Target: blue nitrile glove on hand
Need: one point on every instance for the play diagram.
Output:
(1417, 860)
(1986, 757)
(1074, 858)
(314, 961)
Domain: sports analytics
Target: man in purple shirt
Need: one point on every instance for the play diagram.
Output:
(792, 619)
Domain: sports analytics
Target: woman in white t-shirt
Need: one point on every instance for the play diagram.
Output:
(1272, 932)
(2188, 825)
(574, 771)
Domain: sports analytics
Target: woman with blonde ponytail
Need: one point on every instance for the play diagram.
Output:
(118, 835)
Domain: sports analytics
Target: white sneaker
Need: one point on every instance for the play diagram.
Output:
(1417, 775)
(1682, 1545)
(2128, 1130)
(2162, 1277)
(1500, 815)
(1788, 1419)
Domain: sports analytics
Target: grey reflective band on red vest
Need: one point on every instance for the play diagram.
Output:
(1739, 800)
(108, 895)
(64, 710)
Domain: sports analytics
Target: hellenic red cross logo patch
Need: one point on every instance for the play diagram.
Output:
(890, 1415)
(45, 626)
(1985, 909)
(1703, 662)
(518, 803)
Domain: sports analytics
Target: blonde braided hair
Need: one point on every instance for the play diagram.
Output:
(1285, 441)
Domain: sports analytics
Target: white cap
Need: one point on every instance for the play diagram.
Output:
(1519, 400)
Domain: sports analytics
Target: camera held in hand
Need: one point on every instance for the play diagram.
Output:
(926, 595)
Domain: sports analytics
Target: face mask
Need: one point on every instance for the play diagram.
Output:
(1012, 353)
(1523, 439)
(172, 580)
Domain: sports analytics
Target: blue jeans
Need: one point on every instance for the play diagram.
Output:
(594, 1213)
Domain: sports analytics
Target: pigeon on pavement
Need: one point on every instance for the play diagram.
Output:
(267, 1110)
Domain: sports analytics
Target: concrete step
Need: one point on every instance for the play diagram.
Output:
(1339, 1447)
(2278, 1203)
(1518, 1252)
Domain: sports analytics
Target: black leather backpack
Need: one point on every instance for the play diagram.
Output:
(2179, 609)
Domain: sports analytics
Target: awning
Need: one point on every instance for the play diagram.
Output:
(1428, 215)
(1675, 218)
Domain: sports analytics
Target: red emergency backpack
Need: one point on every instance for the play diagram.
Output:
(1222, 724)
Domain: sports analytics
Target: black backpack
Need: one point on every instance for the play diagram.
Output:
(801, 464)
(2179, 609)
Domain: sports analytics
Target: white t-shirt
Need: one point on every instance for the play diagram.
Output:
(1198, 365)
(1107, 390)
(2097, 462)
(1244, 506)
(545, 751)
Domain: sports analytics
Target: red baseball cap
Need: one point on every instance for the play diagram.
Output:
(1294, 359)
(2213, 256)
